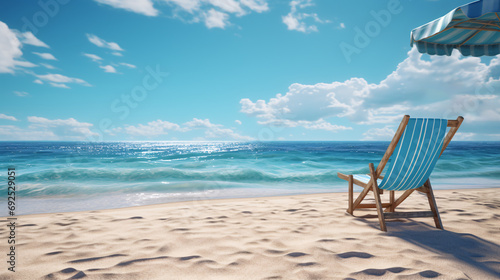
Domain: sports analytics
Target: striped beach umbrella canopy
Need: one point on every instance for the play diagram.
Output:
(473, 29)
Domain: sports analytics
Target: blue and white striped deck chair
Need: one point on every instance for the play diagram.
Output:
(412, 155)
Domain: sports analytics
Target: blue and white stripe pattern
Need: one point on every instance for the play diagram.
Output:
(365, 178)
(441, 36)
(415, 155)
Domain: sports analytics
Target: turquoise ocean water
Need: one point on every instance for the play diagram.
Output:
(75, 176)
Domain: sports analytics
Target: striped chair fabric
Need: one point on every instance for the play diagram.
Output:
(414, 157)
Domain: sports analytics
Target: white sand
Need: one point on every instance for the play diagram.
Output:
(295, 237)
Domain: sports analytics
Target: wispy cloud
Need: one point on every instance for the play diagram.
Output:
(213, 13)
(94, 57)
(58, 80)
(59, 85)
(41, 128)
(160, 127)
(48, 66)
(152, 129)
(29, 39)
(144, 7)
(108, 68)
(46, 56)
(6, 117)
(300, 21)
(103, 43)
(127, 65)
(21, 93)
(380, 134)
(216, 131)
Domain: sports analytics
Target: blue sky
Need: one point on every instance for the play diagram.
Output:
(108, 70)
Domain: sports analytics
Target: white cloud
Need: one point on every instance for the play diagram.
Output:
(29, 39)
(46, 129)
(308, 105)
(94, 57)
(298, 21)
(440, 87)
(48, 66)
(215, 18)
(103, 43)
(230, 6)
(37, 81)
(199, 123)
(319, 125)
(216, 131)
(10, 51)
(60, 79)
(5, 117)
(154, 128)
(69, 128)
(59, 85)
(238, 122)
(47, 56)
(127, 65)
(468, 136)
(144, 7)
(11, 132)
(21, 93)
(215, 13)
(380, 134)
(117, 54)
(189, 6)
(342, 25)
(258, 6)
(108, 68)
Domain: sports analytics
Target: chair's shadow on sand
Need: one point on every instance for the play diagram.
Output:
(476, 252)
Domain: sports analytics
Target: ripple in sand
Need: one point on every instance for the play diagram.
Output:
(189, 258)
(327, 240)
(28, 225)
(54, 253)
(180, 229)
(429, 274)
(126, 263)
(97, 258)
(307, 264)
(381, 272)
(353, 254)
(79, 275)
(206, 262)
(68, 270)
(296, 254)
(275, 252)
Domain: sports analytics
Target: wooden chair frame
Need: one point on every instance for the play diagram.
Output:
(390, 207)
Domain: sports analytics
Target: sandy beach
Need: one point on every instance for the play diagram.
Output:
(292, 237)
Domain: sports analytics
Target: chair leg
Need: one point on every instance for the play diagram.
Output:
(391, 195)
(398, 201)
(350, 209)
(433, 205)
(378, 203)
